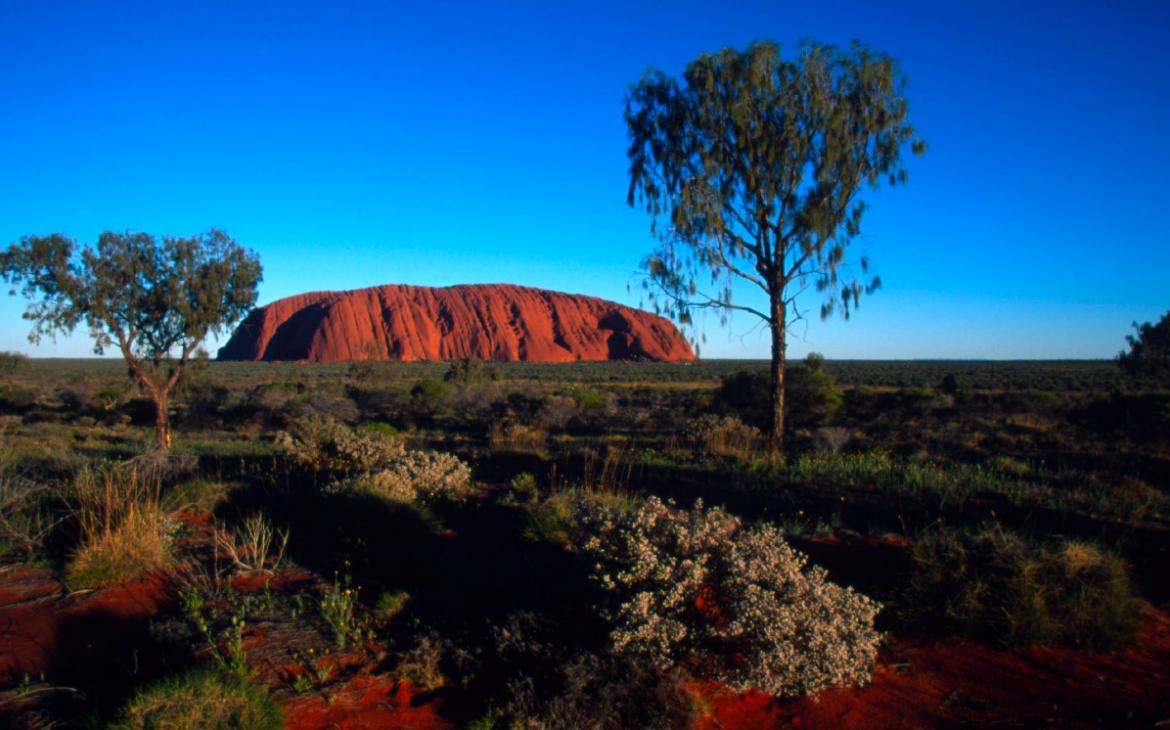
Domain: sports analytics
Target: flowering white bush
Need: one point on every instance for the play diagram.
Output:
(325, 444)
(372, 463)
(415, 475)
(729, 602)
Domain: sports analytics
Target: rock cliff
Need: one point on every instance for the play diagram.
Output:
(489, 322)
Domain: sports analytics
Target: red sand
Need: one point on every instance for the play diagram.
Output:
(489, 322)
(365, 702)
(961, 684)
(916, 683)
(34, 609)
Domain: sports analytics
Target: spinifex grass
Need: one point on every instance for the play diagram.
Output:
(124, 532)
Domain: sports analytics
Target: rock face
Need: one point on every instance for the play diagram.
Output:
(489, 322)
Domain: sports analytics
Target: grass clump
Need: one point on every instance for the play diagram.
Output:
(201, 700)
(995, 586)
(125, 533)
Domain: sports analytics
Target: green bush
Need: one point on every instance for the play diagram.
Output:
(998, 587)
(11, 363)
(429, 396)
(469, 370)
(201, 700)
(810, 395)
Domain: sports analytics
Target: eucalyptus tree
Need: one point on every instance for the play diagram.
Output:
(1149, 351)
(751, 168)
(155, 301)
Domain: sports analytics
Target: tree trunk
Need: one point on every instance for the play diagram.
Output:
(778, 328)
(162, 421)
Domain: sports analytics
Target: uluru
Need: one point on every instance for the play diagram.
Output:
(485, 321)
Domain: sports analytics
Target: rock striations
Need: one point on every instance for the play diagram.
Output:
(490, 322)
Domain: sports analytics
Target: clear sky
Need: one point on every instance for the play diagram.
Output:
(355, 144)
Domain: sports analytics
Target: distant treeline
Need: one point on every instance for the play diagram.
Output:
(1056, 375)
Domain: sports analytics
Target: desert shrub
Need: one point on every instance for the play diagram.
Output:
(124, 531)
(469, 370)
(999, 587)
(746, 394)
(11, 363)
(201, 700)
(505, 436)
(324, 444)
(713, 435)
(414, 475)
(831, 438)
(163, 466)
(26, 517)
(810, 395)
(596, 691)
(16, 398)
(429, 396)
(523, 488)
(603, 691)
(556, 411)
(378, 428)
(1149, 351)
(732, 603)
(586, 399)
(198, 495)
(372, 462)
(255, 546)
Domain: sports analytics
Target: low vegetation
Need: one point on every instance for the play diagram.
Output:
(509, 536)
(996, 586)
(124, 532)
(728, 602)
(206, 700)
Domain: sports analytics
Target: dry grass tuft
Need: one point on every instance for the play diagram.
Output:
(201, 700)
(124, 532)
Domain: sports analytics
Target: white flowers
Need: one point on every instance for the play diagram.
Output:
(415, 475)
(729, 602)
(372, 463)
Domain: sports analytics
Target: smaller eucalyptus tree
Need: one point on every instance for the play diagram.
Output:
(155, 301)
(754, 164)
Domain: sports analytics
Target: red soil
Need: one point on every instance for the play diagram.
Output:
(489, 322)
(37, 618)
(365, 702)
(961, 684)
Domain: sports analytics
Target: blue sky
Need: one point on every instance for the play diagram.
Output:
(355, 144)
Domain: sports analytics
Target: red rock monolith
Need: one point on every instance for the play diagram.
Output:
(487, 321)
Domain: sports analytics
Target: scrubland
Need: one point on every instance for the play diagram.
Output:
(603, 545)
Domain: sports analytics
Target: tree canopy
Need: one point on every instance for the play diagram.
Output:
(1149, 351)
(155, 301)
(751, 169)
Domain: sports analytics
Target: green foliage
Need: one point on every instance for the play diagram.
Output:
(430, 395)
(145, 297)
(201, 700)
(754, 165)
(998, 587)
(341, 613)
(469, 370)
(11, 363)
(1149, 351)
(810, 396)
